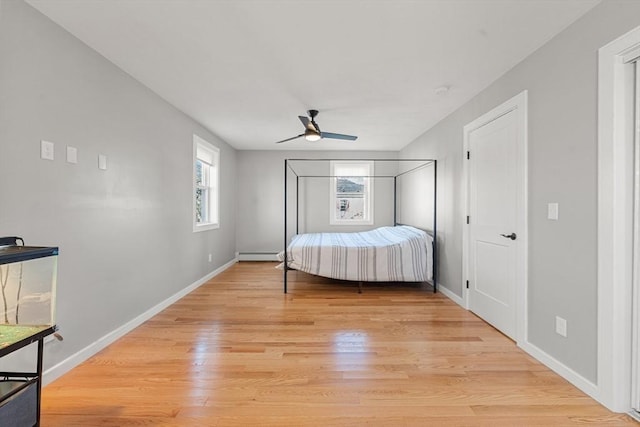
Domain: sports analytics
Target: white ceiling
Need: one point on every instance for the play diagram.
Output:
(246, 69)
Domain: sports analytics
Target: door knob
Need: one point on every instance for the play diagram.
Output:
(511, 236)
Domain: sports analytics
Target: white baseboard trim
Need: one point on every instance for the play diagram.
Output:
(74, 360)
(257, 256)
(561, 369)
(449, 294)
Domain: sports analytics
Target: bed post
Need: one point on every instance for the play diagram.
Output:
(435, 236)
(395, 200)
(286, 263)
(297, 204)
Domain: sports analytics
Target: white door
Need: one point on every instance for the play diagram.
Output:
(493, 232)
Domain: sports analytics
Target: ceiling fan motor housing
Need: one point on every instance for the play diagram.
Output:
(312, 135)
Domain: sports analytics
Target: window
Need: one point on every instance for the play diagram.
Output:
(206, 185)
(351, 193)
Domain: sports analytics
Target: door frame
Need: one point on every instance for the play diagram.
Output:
(615, 222)
(518, 104)
(635, 304)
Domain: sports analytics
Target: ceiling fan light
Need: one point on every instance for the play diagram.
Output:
(310, 135)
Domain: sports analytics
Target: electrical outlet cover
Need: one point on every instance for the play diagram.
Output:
(102, 162)
(552, 211)
(561, 326)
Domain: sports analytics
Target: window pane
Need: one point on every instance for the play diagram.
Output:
(198, 205)
(202, 205)
(205, 205)
(350, 207)
(198, 172)
(351, 198)
(206, 172)
(352, 184)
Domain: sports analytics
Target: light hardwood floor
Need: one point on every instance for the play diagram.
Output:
(238, 352)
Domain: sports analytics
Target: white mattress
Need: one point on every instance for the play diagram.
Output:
(386, 254)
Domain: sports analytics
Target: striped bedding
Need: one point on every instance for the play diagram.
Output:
(385, 254)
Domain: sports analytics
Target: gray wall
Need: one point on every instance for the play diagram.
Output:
(415, 195)
(261, 204)
(125, 234)
(561, 78)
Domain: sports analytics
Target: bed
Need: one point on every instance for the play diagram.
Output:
(385, 254)
(399, 253)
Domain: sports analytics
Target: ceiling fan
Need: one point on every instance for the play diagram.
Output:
(312, 131)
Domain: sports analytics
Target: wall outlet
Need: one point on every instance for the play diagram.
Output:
(210, 257)
(102, 162)
(561, 326)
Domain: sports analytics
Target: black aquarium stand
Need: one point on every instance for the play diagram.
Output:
(20, 392)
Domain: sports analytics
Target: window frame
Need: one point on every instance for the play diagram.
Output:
(368, 192)
(212, 187)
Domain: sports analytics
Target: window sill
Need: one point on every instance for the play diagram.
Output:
(351, 222)
(205, 227)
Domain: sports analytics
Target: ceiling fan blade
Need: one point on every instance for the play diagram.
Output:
(338, 136)
(305, 121)
(290, 139)
(309, 124)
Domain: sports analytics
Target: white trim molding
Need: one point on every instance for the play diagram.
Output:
(257, 256)
(615, 221)
(561, 369)
(519, 104)
(76, 359)
(451, 295)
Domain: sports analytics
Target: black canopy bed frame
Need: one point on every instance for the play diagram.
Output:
(421, 163)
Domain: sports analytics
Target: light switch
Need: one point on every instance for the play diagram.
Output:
(102, 162)
(72, 154)
(46, 150)
(552, 211)
(561, 326)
